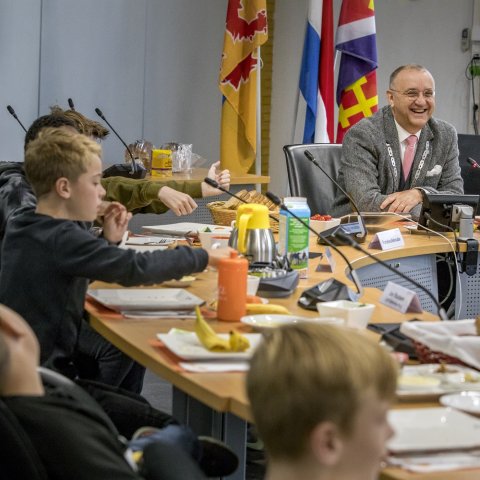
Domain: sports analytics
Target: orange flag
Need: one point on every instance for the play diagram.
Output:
(246, 29)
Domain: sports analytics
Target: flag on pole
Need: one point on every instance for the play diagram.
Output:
(357, 81)
(246, 29)
(317, 73)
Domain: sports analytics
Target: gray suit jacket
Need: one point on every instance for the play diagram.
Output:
(367, 172)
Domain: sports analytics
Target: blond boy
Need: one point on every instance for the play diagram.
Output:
(320, 396)
(48, 259)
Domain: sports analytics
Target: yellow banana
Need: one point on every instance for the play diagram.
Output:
(238, 342)
(258, 308)
(208, 338)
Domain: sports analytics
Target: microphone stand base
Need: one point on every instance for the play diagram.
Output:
(356, 235)
(124, 170)
(326, 291)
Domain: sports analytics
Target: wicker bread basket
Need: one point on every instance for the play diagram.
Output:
(225, 216)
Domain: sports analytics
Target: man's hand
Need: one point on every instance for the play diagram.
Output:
(178, 202)
(222, 178)
(115, 222)
(402, 202)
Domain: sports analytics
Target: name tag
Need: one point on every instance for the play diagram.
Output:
(387, 240)
(330, 265)
(400, 298)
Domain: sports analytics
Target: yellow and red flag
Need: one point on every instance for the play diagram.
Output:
(357, 81)
(246, 29)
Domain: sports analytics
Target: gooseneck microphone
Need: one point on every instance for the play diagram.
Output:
(276, 200)
(472, 162)
(347, 240)
(363, 230)
(122, 170)
(70, 104)
(11, 111)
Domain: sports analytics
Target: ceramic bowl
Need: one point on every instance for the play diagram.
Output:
(356, 314)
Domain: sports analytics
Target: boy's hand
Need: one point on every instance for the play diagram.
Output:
(115, 222)
(216, 254)
(222, 178)
(178, 202)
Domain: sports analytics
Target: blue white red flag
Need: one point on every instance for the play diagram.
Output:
(357, 81)
(317, 73)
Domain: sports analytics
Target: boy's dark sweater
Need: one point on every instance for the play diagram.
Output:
(47, 264)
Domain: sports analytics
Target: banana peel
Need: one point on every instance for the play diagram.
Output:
(213, 342)
(261, 308)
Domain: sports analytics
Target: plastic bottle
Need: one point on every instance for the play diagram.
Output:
(232, 288)
(293, 237)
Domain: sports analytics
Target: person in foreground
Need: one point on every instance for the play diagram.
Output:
(319, 395)
(83, 445)
(390, 157)
(64, 169)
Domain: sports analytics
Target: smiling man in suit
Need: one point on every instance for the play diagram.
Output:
(390, 157)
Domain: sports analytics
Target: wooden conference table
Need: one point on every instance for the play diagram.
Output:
(216, 403)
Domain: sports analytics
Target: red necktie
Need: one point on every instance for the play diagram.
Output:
(409, 154)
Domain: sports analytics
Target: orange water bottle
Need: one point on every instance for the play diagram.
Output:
(232, 288)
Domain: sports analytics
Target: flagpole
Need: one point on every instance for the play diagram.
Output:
(258, 156)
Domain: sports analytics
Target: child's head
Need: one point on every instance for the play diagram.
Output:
(19, 350)
(47, 121)
(321, 393)
(66, 163)
(84, 125)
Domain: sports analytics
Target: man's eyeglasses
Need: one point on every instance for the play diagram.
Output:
(414, 94)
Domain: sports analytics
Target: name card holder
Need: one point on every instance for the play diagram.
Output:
(387, 240)
(330, 265)
(400, 298)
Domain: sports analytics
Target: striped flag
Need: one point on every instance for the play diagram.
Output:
(357, 81)
(246, 29)
(317, 75)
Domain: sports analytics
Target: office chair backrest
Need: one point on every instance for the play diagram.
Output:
(469, 146)
(18, 458)
(306, 180)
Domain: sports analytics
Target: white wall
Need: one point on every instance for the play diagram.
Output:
(152, 65)
(19, 64)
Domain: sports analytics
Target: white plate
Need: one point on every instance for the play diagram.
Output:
(183, 228)
(455, 379)
(465, 401)
(151, 241)
(382, 218)
(428, 429)
(186, 345)
(262, 321)
(124, 299)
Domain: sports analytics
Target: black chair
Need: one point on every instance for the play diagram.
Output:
(469, 146)
(307, 180)
(18, 458)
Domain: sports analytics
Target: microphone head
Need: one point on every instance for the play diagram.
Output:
(470, 160)
(309, 155)
(273, 198)
(70, 104)
(99, 112)
(11, 111)
(211, 182)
